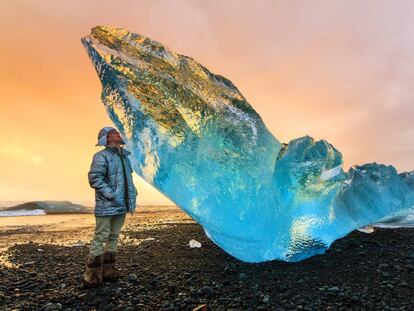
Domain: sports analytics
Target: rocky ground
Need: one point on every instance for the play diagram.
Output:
(161, 272)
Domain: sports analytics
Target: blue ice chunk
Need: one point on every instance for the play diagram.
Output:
(196, 139)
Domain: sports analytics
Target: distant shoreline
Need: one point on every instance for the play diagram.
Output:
(48, 207)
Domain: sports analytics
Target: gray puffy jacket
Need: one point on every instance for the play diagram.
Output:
(106, 177)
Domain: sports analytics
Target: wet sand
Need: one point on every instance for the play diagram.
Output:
(44, 257)
(66, 229)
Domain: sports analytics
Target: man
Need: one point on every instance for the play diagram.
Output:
(110, 175)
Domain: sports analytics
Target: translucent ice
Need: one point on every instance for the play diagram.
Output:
(196, 139)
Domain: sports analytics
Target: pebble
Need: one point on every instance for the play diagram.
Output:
(188, 301)
(132, 278)
(166, 304)
(242, 275)
(82, 296)
(205, 290)
(52, 306)
(355, 298)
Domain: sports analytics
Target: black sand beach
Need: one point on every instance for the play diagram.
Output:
(161, 272)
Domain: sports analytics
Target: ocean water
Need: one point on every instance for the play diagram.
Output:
(22, 212)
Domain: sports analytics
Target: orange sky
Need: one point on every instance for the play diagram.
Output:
(342, 72)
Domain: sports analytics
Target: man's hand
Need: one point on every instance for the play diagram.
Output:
(97, 176)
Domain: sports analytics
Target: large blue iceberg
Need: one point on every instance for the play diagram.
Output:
(196, 139)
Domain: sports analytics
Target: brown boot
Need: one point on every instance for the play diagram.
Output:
(92, 276)
(110, 272)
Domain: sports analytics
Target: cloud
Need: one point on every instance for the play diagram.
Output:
(16, 151)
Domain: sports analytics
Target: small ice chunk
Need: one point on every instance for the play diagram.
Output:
(366, 229)
(78, 243)
(193, 243)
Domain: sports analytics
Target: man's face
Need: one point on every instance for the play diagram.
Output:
(114, 138)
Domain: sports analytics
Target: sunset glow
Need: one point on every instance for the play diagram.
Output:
(340, 72)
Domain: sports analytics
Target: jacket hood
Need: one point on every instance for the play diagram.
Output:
(102, 135)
